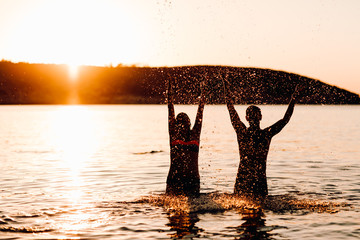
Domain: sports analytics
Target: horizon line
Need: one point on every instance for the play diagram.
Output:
(137, 65)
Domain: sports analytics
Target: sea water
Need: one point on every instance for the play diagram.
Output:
(99, 172)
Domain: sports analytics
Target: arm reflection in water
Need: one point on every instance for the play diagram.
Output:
(253, 226)
(183, 224)
(183, 177)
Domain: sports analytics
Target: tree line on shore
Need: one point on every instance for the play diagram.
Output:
(25, 83)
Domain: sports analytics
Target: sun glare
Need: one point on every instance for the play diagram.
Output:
(82, 32)
(75, 138)
(73, 71)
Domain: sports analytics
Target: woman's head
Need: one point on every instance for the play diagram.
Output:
(183, 124)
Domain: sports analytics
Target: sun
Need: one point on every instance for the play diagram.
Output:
(73, 70)
(83, 32)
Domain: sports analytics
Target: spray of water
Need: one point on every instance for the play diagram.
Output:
(219, 202)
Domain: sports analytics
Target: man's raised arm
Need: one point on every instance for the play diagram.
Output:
(278, 126)
(234, 116)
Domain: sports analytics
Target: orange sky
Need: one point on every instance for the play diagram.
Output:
(318, 39)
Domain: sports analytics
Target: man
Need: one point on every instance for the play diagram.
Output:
(254, 144)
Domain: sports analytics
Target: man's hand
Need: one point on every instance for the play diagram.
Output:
(229, 96)
(297, 92)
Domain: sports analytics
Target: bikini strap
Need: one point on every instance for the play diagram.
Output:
(180, 142)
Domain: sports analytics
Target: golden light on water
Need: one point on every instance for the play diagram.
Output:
(74, 137)
(74, 132)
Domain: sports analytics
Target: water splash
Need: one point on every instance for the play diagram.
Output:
(218, 202)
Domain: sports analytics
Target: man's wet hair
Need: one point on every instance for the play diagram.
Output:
(253, 113)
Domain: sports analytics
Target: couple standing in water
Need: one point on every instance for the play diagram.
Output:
(254, 143)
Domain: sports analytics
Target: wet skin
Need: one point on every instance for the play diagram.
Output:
(183, 177)
(254, 144)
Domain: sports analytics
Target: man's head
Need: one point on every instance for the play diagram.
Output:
(253, 114)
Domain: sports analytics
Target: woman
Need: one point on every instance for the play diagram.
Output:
(183, 177)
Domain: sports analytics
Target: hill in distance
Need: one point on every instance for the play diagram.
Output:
(24, 83)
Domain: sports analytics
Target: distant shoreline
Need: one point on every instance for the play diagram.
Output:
(26, 83)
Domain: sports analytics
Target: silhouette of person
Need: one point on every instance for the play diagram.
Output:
(183, 224)
(183, 177)
(254, 144)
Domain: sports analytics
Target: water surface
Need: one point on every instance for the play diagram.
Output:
(99, 172)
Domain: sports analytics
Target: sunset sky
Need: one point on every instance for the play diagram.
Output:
(318, 39)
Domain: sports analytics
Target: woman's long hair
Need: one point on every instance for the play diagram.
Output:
(182, 125)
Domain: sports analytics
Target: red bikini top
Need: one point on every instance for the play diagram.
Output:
(181, 142)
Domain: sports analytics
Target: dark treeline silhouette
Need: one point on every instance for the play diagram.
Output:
(24, 83)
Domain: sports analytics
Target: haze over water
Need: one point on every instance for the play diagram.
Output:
(99, 172)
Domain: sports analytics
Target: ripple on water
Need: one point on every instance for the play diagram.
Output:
(24, 229)
(181, 213)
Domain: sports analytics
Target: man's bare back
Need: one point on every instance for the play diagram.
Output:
(254, 144)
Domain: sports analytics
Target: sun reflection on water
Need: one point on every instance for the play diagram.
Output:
(74, 134)
(75, 140)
